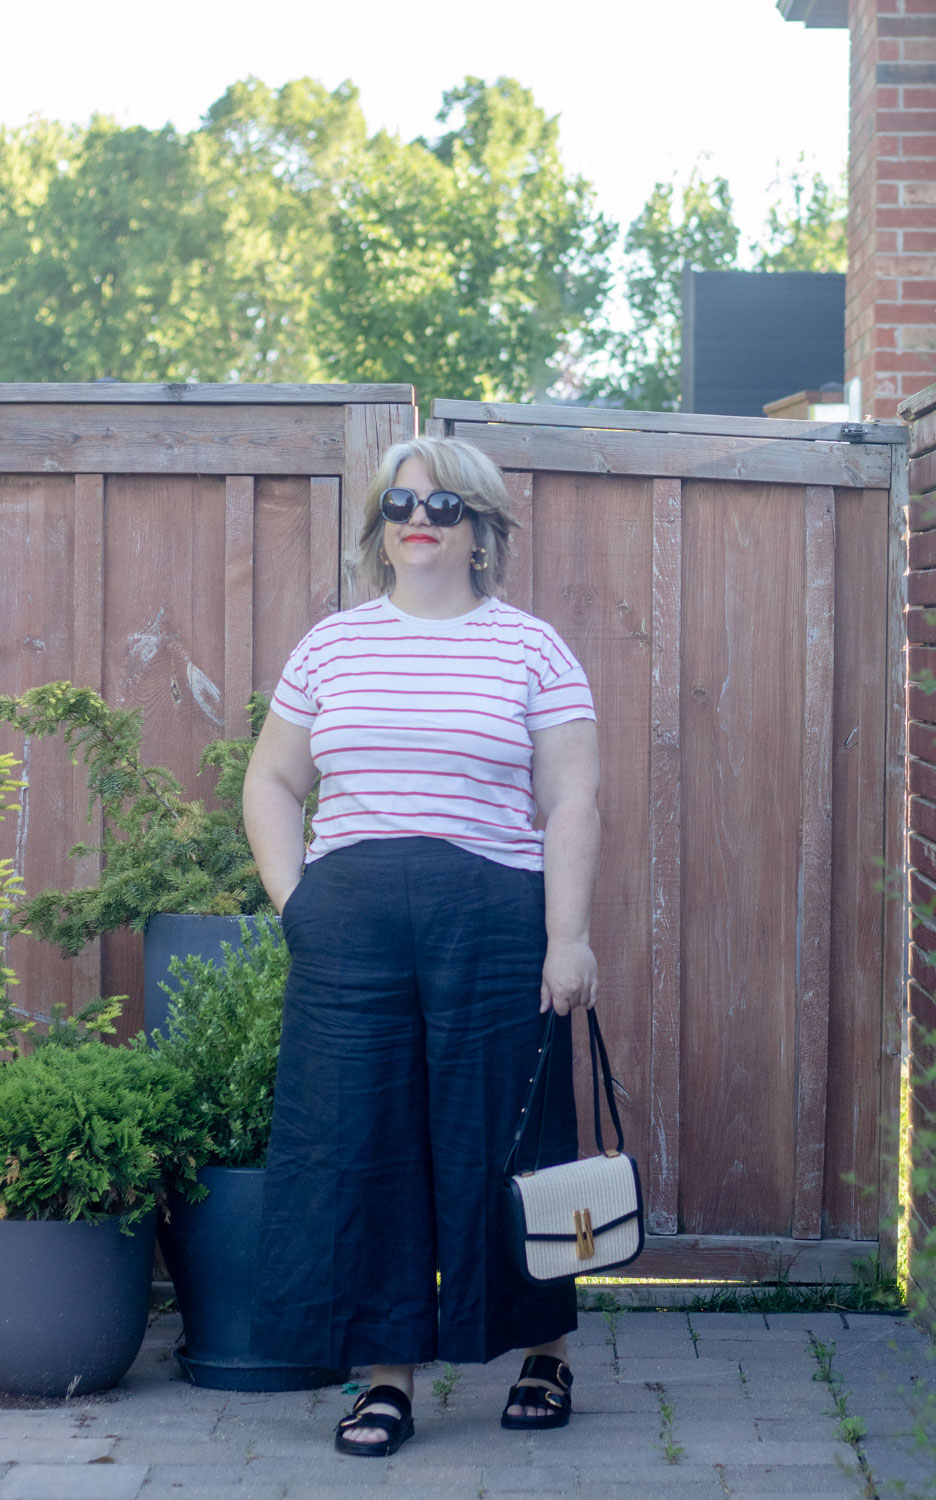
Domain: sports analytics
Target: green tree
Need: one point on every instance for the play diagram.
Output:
(464, 265)
(692, 228)
(278, 241)
(105, 260)
(806, 229)
(678, 228)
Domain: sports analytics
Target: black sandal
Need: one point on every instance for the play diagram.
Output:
(398, 1429)
(553, 1408)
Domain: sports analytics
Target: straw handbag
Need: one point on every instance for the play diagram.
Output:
(583, 1216)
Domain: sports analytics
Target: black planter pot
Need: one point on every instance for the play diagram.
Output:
(176, 933)
(211, 1251)
(74, 1301)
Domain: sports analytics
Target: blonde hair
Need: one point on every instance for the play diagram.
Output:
(451, 465)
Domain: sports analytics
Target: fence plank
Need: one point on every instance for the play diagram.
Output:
(815, 877)
(368, 433)
(663, 1181)
(238, 602)
(858, 832)
(190, 393)
(923, 474)
(87, 671)
(592, 451)
(518, 585)
(751, 1257)
(742, 663)
(296, 537)
(593, 583)
(168, 440)
(703, 424)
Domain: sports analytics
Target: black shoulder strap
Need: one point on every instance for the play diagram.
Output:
(599, 1055)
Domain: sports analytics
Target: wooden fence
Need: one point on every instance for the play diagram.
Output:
(165, 545)
(921, 630)
(735, 591)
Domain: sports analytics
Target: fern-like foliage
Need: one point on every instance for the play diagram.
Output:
(92, 1131)
(161, 851)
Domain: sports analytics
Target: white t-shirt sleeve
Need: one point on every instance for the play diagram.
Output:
(294, 698)
(558, 688)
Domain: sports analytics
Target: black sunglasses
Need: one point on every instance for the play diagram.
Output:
(442, 507)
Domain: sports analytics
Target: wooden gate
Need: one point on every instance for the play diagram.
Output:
(734, 588)
(165, 545)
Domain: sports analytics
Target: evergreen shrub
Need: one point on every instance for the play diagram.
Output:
(162, 852)
(93, 1131)
(224, 1031)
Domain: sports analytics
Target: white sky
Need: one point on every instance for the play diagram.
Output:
(642, 87)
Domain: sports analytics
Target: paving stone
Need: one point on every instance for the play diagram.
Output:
(245, 1491)
(599, 1480)
(206, 1454)
(677, 1371)
(824, 1325)
(721, 1324)
(68, 1482)
(41, 1424)
(54, 1450)
(787, 1451)
(801, 1481)
(536, 1479)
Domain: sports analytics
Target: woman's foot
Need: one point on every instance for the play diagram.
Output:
(542, 1396)
(390, 1395)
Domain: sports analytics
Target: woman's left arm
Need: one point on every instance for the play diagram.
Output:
(565, 783)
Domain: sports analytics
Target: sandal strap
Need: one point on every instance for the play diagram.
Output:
(389, 1425)
(389, 1395)
(546, 1367)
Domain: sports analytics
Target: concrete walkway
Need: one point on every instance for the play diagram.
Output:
(667, 1404)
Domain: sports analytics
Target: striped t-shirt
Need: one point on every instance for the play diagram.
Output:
(423, 726)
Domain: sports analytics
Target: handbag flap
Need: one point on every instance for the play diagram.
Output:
(607, 1186)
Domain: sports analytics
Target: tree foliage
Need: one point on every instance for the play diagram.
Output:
(806, 227)
(280, 242)
(692, 228)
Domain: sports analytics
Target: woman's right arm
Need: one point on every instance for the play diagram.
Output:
(279, 778)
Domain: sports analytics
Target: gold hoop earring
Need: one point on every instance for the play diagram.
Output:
(479, 559)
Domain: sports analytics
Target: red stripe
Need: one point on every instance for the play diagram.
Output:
(450, 660)
(507, 786)
(449, 692)
(377, 791)
(468, 676)
(509, 765)
(451, 663)
(307, 713)
(536, 713)
(385, 708)
(421, 729)
(454, 817)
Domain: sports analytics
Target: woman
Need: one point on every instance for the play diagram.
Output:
(421, 960)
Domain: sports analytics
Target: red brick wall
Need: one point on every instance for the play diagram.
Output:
(921, 630)
(890, 316)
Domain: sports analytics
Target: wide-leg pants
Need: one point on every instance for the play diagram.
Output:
(411, 1028)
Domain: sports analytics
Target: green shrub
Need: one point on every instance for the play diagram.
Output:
(94, 1131)
(224, 1031)
(161, 851)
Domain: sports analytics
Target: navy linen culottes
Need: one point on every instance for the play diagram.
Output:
(410, 1031)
